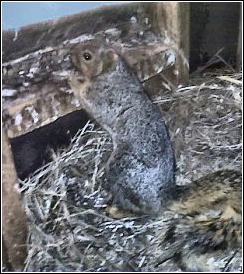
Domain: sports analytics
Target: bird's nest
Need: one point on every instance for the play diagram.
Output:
(71, 227)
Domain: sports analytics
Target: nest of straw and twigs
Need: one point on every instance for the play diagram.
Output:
(67, 208)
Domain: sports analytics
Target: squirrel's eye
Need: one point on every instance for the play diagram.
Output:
(87, 56)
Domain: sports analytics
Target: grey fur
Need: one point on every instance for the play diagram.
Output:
(140, 171)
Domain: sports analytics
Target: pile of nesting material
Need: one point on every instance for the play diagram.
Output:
(70, 228)
(205, 122)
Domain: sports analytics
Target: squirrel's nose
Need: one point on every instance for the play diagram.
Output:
(80, 79)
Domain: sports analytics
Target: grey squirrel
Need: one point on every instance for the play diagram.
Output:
(140, 170)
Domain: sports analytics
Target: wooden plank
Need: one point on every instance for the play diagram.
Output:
(172, 20)
(13, 215)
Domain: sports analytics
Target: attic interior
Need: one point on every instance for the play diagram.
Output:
(187, 57)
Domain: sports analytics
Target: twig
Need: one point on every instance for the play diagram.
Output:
(229, 79)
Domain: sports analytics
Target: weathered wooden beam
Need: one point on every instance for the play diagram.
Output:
(35, 90)
(172, 21)
(13, 215)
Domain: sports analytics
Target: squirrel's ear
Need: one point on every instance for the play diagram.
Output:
(74, 58)
(110, 58)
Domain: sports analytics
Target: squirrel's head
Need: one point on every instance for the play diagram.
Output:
(92, 61)
(92, 58)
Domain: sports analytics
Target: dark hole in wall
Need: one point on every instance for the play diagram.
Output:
(31, 151)
(213, 25)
